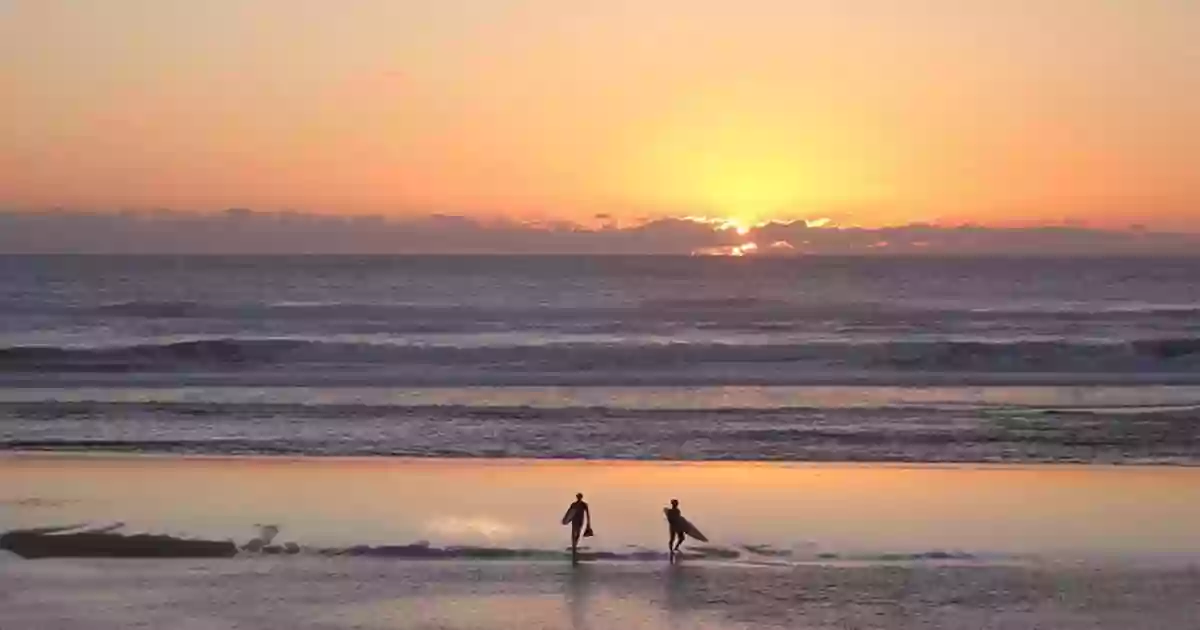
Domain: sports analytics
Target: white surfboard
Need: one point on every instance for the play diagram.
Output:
(570, 514)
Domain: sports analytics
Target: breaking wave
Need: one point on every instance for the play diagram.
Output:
(603, 433)
(1180, 354)
(82, 541)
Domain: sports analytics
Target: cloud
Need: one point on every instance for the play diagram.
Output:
(243, 231)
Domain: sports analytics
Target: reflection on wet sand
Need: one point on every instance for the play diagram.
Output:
(578, 592)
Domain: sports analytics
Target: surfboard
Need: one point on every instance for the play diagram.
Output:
(570, 514)
(688, 528)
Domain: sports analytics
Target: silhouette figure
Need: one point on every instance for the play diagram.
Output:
(577, 515)
(675, 527)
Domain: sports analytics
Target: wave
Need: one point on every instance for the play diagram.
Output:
(325, 405)
(733, 304)
(786, 435)
(179, 354)
(79, 541)
(754, 553)
(153, 308)
(1180, 354)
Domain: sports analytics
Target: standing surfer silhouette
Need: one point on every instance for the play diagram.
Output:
(577, 515)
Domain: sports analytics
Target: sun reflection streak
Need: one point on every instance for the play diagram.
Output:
(487, 528)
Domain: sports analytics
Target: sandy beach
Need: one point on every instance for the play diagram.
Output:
(344, 593)
(791, 545)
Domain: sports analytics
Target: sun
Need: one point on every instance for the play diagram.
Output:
(740, 226)
(728, 160)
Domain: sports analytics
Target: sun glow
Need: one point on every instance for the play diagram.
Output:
(745, 248)
(751, 160)
(723, 224)
(743, 227)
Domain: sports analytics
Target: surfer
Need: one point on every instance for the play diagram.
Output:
(675, 524)
(577, 514)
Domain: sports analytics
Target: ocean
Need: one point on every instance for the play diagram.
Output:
(389, 442)
(658, 358)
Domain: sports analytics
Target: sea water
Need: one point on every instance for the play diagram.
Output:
(870, 359)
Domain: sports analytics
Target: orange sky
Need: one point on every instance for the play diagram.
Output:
(871, 112)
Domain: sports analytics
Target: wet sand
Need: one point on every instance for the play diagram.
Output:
(801, 511)
(794, 546)
(344, 593)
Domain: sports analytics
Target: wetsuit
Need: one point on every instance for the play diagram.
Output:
(578, 520)
(675, 522)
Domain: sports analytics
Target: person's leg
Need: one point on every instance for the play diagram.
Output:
(679, 540)
(575, 530)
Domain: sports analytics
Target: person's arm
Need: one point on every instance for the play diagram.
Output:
(587, 512)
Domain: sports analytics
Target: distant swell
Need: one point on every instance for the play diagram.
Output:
(1174, 354)
(719, 312)
(212, 352)
(153, 309)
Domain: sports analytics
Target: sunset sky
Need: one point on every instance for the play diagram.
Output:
(869, 112)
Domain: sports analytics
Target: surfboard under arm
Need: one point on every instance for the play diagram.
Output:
(692, 531)
(688, 528)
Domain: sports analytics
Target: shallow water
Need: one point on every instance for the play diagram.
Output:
(1038, 424)
(752, 512)
(476, 545)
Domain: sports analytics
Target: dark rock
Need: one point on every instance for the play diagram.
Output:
(34, 544)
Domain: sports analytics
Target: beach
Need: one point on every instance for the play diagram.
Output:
(391, 442)
(403, 543)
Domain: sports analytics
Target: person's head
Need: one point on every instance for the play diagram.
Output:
(674, 502)
(578, 496)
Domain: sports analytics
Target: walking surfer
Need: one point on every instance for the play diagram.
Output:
(580, 518)
(675, 526)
